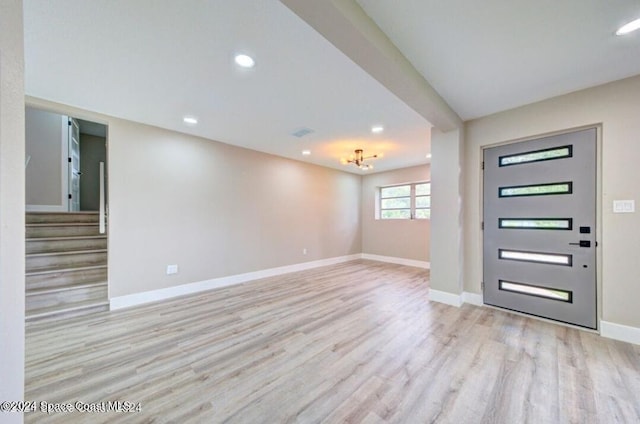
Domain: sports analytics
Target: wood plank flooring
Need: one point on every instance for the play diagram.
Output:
(352, 343)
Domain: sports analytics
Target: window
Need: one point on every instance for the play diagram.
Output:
(536, 223)
(537, 156)
(536, 189)
(537, 257)
(555, 294)
(406, 201)
(422, 201)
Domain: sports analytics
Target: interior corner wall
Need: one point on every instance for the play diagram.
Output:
(447, 215)
(12, 199)
(404, 239)
(217, 210)
(616, 108)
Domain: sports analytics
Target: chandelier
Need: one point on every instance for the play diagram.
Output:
(358, 159)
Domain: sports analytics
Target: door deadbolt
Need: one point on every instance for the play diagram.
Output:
(582, 243)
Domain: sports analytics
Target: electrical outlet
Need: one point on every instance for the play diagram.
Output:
(172, 269)
(304, 251)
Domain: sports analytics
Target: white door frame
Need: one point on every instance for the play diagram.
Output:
(71, 123)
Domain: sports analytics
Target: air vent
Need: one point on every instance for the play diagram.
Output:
(301, 132)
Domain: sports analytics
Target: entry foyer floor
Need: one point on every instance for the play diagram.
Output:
(357, 342)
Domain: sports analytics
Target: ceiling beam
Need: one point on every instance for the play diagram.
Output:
(351, 30)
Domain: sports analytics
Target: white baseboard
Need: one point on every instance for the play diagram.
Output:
(191, 288)
(455, 299)
(399, 261)
(445, 297)
(620, 332)
(473, 298)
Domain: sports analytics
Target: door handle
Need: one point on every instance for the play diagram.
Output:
(582, 243)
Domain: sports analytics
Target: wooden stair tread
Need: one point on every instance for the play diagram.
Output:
(71, 307)
(65, 238)
(66, 265)
(35, 292)
(54, 281)
(63, 224)
(63, 213)
(67, 269)
(65, 252)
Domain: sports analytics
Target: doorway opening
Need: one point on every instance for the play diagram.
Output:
(66, 272)
(65, 163)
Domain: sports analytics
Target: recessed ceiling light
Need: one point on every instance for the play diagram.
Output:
(630, 27)
(191, 120)
(245, 61)
(306, 152)
(377, 129)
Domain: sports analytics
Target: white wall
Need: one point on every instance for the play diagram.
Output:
(405, 239)
(44, 145)
(12, 156)
(617, 107)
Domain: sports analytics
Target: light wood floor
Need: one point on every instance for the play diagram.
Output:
(357, 342)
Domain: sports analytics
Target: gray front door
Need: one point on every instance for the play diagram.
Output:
(539, 227)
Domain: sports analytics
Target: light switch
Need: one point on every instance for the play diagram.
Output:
(624, 206)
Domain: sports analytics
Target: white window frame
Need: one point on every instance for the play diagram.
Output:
(412, 196)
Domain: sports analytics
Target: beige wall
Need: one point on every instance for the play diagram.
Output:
(617, 108)
(406, 239)
(216, 210)
(213, 209)
(44, 145)
(12, 155)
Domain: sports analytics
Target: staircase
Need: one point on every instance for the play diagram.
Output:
(66, 265)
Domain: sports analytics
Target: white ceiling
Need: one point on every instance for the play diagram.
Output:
(491, 55)
(155, 61)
